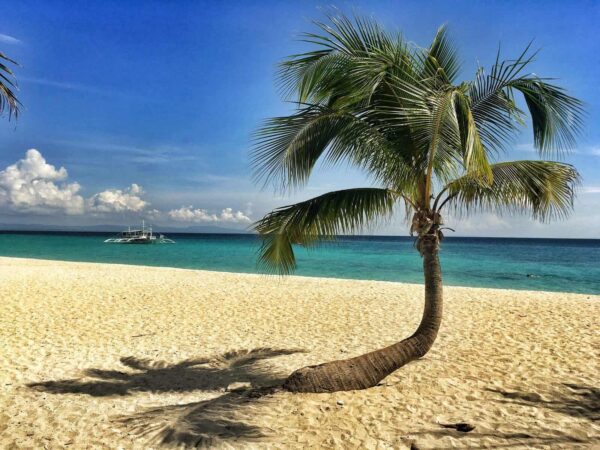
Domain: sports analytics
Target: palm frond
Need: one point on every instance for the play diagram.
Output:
(556, 116)
(357, 36)
(287, 148)
(8, 87)
(443, 139)
(440, 133)
(546, 189)
(338, 212)
(440, 60)
(474, 153)
(352, 59)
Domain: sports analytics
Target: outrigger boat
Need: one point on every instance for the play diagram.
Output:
(143, 236)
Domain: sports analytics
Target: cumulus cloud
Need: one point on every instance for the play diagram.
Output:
(189, 214)
(117, 200)
(228, 215)
(33, 185)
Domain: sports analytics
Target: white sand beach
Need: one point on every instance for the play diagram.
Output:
(113, 356)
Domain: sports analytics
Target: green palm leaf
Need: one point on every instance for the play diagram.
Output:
(556, 116)
(287, 148)
(544, 188)
(440, 61)
(8, 87)
(338, 212)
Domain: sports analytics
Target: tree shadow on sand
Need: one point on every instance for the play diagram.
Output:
(502, 439)
(579, 401)
(198, 424)
(571, 399)
(205, 374)
(226, 417)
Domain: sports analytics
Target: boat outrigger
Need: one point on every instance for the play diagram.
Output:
(143, 236)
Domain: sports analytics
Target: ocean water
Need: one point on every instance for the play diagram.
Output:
(563, 265)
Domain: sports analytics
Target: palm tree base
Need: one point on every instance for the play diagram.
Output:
(360, 372)
(333, 376)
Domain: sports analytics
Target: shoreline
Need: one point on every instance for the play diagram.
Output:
(119, 356)
(278, 277)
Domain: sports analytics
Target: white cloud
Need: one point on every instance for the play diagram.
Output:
(189, 214)
(479, 223)
(33, 185)
(591, 190)
(117, 200)
(153, 214)
(6, 39)
(228, 215)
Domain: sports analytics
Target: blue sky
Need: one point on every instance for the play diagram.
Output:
(149, 106)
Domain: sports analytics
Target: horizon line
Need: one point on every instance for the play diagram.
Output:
(230, 231)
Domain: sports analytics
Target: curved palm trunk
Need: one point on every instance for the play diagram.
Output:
(369, 369)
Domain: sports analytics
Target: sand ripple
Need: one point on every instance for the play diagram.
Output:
(109, 356)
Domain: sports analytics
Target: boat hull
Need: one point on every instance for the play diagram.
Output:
(143, 236)
(138, 241)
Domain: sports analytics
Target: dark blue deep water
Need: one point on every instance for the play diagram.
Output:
(564, 265)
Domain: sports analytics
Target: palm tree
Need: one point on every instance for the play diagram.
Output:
(8, 86)
(369, 98)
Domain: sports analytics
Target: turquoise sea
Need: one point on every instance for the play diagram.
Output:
(564, 265)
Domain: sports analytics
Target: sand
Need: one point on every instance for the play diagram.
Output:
(113, 356)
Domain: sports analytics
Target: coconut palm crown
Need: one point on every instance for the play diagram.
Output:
(8, 86)
(368, 97)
